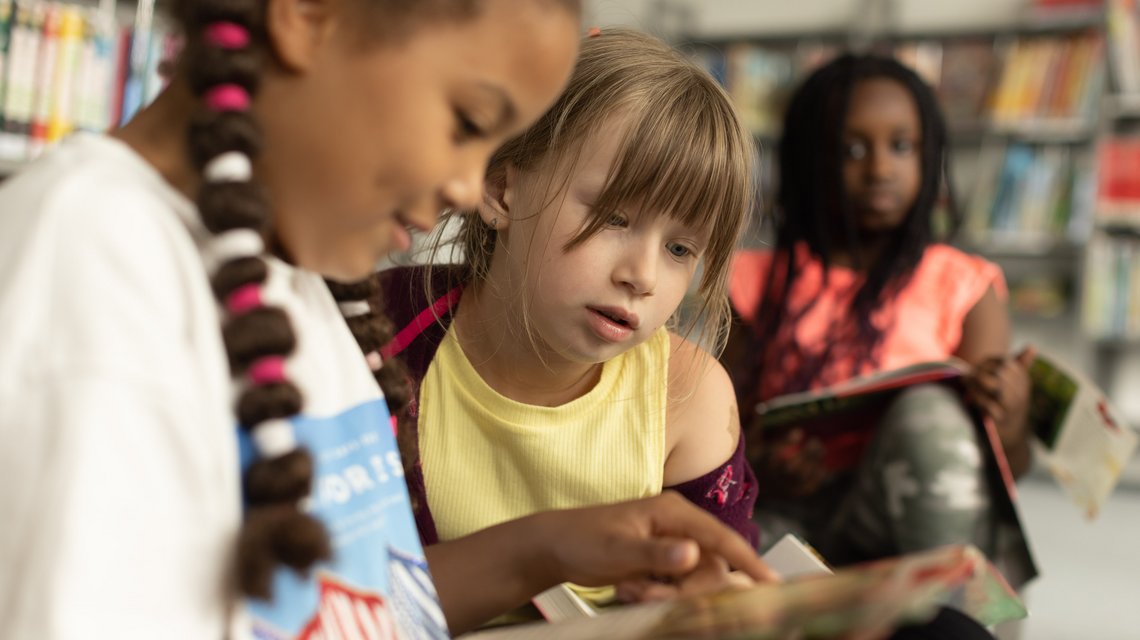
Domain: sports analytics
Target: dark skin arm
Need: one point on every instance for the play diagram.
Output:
(999, 385)
(624, 544)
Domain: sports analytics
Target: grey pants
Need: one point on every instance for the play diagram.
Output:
(921, 484)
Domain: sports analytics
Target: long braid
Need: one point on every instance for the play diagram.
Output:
(224, 44)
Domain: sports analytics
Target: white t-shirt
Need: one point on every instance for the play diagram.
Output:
(119, 472)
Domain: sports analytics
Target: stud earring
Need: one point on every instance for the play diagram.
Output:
(495, 223)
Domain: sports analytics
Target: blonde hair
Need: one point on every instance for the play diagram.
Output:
(685, 154)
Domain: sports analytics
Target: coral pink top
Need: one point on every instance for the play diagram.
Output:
(922, 322)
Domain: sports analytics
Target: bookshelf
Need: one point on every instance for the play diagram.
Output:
(71, 65)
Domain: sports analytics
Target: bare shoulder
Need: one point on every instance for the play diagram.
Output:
(702, 422)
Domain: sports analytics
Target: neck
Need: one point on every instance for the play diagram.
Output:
(869, 248)
(491, 333)
(158, 134)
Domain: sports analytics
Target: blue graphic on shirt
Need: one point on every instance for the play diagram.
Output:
(377, 584)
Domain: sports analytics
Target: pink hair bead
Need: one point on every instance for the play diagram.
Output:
(227, 97)
(243, 299)
(227, 35)
(267, 370)
(395, 425)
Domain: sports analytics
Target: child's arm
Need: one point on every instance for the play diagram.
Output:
(705, 460)
(999, 385)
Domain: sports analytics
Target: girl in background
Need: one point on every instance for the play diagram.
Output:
(141, 270)
(552, 380)
(856, 283)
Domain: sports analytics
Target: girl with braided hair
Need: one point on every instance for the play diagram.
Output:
(856, 283)
(163, 286)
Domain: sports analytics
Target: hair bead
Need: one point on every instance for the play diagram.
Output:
(227, 97)
(273, 438)
(234, 244)
(354, 308)
(231, 166)
(243, 299)
(374, 359)
(227, 35)
(267, 370)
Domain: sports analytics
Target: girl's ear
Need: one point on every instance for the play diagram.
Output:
(499, 191)
(298, 28)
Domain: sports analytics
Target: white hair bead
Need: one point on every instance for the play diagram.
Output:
(234, 244)
(274, 438)
(374, 360)
(231, 166)
(354, 308)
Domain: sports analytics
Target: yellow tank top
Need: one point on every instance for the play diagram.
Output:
(488, 459)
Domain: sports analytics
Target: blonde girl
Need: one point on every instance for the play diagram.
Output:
(551, 378)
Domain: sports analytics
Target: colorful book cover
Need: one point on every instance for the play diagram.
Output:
(377, 584)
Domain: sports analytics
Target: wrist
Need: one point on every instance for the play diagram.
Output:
(537, 564)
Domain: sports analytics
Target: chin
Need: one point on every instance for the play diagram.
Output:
(880, 222)
(345, 270)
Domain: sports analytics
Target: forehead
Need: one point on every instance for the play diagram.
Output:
(881, 101)
(525, 48)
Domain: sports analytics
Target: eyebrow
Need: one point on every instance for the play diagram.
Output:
(505, 106)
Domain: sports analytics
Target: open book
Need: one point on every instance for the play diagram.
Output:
(1080, 436)
(790, 557)
(861, 601)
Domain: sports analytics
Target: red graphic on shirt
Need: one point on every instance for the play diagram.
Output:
(344, 612)
(723, 484)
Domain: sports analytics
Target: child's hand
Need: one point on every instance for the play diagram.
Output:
(665, 536)
(711, 576)
(1000, 387)
(790, 466)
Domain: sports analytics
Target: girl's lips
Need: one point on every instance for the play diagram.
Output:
(607, 328)
(401, 239)
(619, 315)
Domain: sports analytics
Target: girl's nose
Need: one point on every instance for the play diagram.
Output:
(638, 269)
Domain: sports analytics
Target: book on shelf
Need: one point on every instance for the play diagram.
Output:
(1111, 302)
(1118, 181)
(1030, 195)
(867, 600)
(66, 66)
(1122, 23)
(1049, 82)
(760, 78)
(968, 71)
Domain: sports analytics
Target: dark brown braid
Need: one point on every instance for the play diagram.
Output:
(275, 530)
(372, 331)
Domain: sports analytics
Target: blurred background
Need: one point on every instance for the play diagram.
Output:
(1043, 101)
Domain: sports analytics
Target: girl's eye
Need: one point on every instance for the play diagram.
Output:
(466, 128)
(902, 146)
(856, 150)
(678, 250)
(617, 221)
